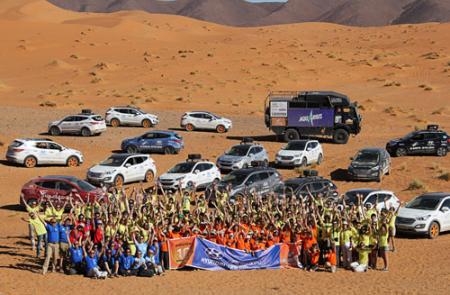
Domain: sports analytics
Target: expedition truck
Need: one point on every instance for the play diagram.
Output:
(292, 114)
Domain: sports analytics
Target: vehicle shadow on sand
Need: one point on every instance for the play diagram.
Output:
(340, 175)
(261, 138)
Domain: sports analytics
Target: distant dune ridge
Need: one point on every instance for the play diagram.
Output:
(243, 13)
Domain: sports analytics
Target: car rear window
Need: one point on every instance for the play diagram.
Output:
(15, 144)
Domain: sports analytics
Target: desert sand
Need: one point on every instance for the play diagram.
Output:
(55, 62)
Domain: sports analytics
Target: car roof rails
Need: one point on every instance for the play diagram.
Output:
(86, 112)
(432, 127)
(194, 157)
(246, 140)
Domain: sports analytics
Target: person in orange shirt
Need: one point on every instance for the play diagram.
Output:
(261, 244)
(220, 239)
(313, 257)
(270, 242)
(330, 256)
(240, 241)
(230, 241)
(164, 253)
(276, 236)
(286, 234)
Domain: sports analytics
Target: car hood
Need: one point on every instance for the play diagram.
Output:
(363, 165)
(394, 141)
(54, 122)
(231, 158)
(172, 176)
(413, 213)
(102, 169)
(289, 153)
(225, 120)
(73, 151)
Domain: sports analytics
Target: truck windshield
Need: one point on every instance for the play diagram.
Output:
(367, 157)
(296, 146)
(423, 203)
(238, 150)
(182, 167)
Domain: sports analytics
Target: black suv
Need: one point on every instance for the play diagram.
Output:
(300, 186)
(429, 141)
(370, 164)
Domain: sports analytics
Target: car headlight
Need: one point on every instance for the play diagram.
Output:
(110, 172)
(423, 218)
(376, 168)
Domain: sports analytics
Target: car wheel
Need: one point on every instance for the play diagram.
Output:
(118, 181)
(291, 134)
(441, 152)
(149, 176)
(30, 162)
(189, 127)
(72, 161)
(304, 162)
(115, 123)
(85, 132)
(319, 159)
(55, 131)
(146, 123)
(340, 136)
(168, 150)
(433, 230)
(221, 129)
(132, 149)
(400, 152)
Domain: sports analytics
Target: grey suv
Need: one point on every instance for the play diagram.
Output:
(370, 164)
(242, 155)
(261, 180)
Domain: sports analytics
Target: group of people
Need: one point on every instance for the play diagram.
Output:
(126, 232)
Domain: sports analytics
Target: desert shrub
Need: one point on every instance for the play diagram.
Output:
(416, 184)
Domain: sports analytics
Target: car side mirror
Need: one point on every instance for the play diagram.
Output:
(196, 171)
(127, 165)
(445, 209)
(308, 149)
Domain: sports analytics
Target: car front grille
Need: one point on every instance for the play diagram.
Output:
(95, 175)
(403, 220)
(287, 157)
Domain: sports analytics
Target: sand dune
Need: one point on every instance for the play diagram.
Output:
(55, 62)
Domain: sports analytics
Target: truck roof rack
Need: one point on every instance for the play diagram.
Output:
(86, 112)
(432, 127)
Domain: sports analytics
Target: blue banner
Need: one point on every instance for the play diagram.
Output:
(211, 256)
(310, 117)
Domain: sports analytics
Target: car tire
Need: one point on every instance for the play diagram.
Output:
(221, 129)
(400, 152)
(85, 132)
(54, 131)
(433, 230)
(380, 176)
(441, 152)
(291, 134)
(340, 136)
(319, 159)
(149, 176)
(146, 123)
(115, 123)
(72, 161)
(30, 162)
(118, 181)
(168, 150)
(132, 149)
(189, 127)
(304, 162)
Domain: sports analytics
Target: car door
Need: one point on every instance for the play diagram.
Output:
(431, 141)
(147, 142)
(135, 117)
(162, 140)
(309, 151)
(196, 119)
(266, 185)
(66, 125)
(128, 170)
(48, 188)
(139, 168)
(253, 182)
(56, 153)
(42, 152)
(416, 143)
(445, 215)
(64, 189)
(207, 121)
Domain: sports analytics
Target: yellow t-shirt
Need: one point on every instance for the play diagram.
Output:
(39, 226)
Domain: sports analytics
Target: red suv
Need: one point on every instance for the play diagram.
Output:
(57, 185)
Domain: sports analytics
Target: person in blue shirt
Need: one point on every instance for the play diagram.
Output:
(110, 262)
(126, 261)
(52, 251)
(64, 231)
(76, 259)
(91, 260)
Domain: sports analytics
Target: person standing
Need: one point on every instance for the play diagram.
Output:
(52, 245)
(64, 232)
(37, 226)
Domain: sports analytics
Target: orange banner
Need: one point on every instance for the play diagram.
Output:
(180, 252)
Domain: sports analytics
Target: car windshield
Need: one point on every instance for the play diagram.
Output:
(182, 167)
(296, 146)
(234, 178)
(367, 157)
(238, 150)
(351, 196)
(423, 203)
(409, 135)
(113, 161)
(85, 186)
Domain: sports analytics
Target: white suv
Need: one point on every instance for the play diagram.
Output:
(119, 169)
(379, 197)
(205, 121)
(193, 172)
(428, 214)
(32, 152)
(131, 116)
(300, 153)
(86, 124)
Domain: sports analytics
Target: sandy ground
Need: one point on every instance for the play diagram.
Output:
(168, 65)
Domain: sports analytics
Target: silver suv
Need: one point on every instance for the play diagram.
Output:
(131, 116)
(259, 180)
(86, 123)
(242, 155)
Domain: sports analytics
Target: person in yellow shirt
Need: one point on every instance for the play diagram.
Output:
(383, 244)
(39, 228)
(32, 207)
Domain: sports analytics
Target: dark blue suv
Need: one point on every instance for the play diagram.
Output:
(167, 142)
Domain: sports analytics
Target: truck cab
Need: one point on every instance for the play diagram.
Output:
(292, 114)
